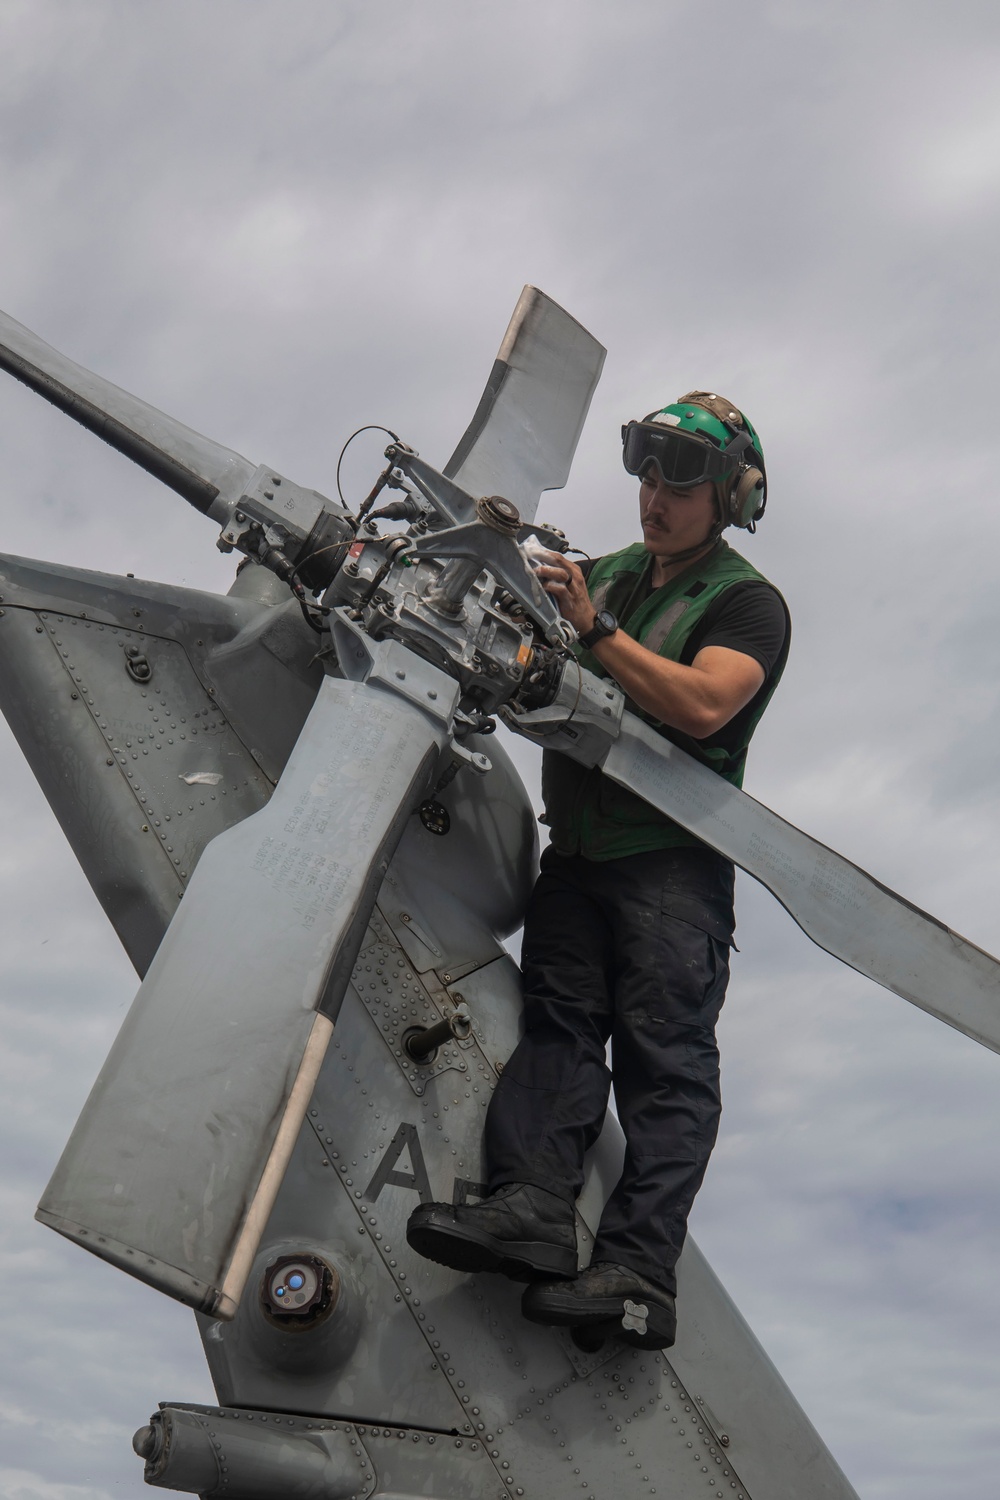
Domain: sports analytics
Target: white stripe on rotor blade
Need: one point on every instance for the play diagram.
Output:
(274, 1170)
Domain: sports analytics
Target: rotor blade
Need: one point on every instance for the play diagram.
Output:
(524, 433)
(843, 909)
(212, 478)
(174, 1164)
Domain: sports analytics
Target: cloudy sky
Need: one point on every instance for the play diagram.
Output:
(281, 221)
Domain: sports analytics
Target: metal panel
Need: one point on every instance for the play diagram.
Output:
(173, 1166)
(258, 661)
(229, 687)
(130, 870)
(255, 1455)
(438, 1349)
(445, 914)
(266, 679)
(732, 1389)
(381, 1367)
(399, 1002)
(524, 433)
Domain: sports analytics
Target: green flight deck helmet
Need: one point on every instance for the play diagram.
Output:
(703, 436)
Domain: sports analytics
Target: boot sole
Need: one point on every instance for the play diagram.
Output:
(461, 1249)
(591, 1337)
(600, 1318)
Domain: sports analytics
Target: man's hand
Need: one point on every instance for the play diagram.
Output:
(563, 580)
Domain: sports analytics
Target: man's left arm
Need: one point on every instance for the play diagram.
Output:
(697, 699)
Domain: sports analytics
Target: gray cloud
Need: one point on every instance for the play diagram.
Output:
(281, 223)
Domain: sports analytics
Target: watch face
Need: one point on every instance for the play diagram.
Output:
(605, 624)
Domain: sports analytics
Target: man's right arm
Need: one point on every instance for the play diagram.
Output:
(697, 699)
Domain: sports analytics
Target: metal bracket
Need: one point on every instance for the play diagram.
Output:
(474, 759)
(470, 539)
(502, 557)
(137, 664)
(394, 666)
(583, 720)
(452, 504)
(274, 501)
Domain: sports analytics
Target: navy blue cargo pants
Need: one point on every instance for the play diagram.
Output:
(635, 950)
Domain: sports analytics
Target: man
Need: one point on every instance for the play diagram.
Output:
(628, 929)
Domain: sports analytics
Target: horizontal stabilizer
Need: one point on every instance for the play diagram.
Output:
(212, 478)
(524, 433)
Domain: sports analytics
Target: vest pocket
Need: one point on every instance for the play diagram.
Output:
(618, 805)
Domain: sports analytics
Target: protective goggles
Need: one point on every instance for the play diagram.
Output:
(681, 459)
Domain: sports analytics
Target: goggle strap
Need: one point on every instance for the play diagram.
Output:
(740, 443)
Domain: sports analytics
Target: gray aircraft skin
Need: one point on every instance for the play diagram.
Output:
(322, 1018)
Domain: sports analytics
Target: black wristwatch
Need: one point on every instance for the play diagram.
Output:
(604, 625)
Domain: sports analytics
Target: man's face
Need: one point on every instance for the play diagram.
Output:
(674, 520)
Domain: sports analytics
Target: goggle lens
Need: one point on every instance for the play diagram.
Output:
(682, 460)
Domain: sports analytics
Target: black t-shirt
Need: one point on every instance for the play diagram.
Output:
(750, 617)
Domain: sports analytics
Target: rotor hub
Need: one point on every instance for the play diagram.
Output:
(499, 514)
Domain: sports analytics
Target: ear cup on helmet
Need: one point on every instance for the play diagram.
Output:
(746, 498)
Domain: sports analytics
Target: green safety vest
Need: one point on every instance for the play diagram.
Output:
(588, 813)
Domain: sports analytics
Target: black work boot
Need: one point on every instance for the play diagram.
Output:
(521, 1231)
(604, 1302)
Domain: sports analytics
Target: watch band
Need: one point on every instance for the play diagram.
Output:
(604, 625)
